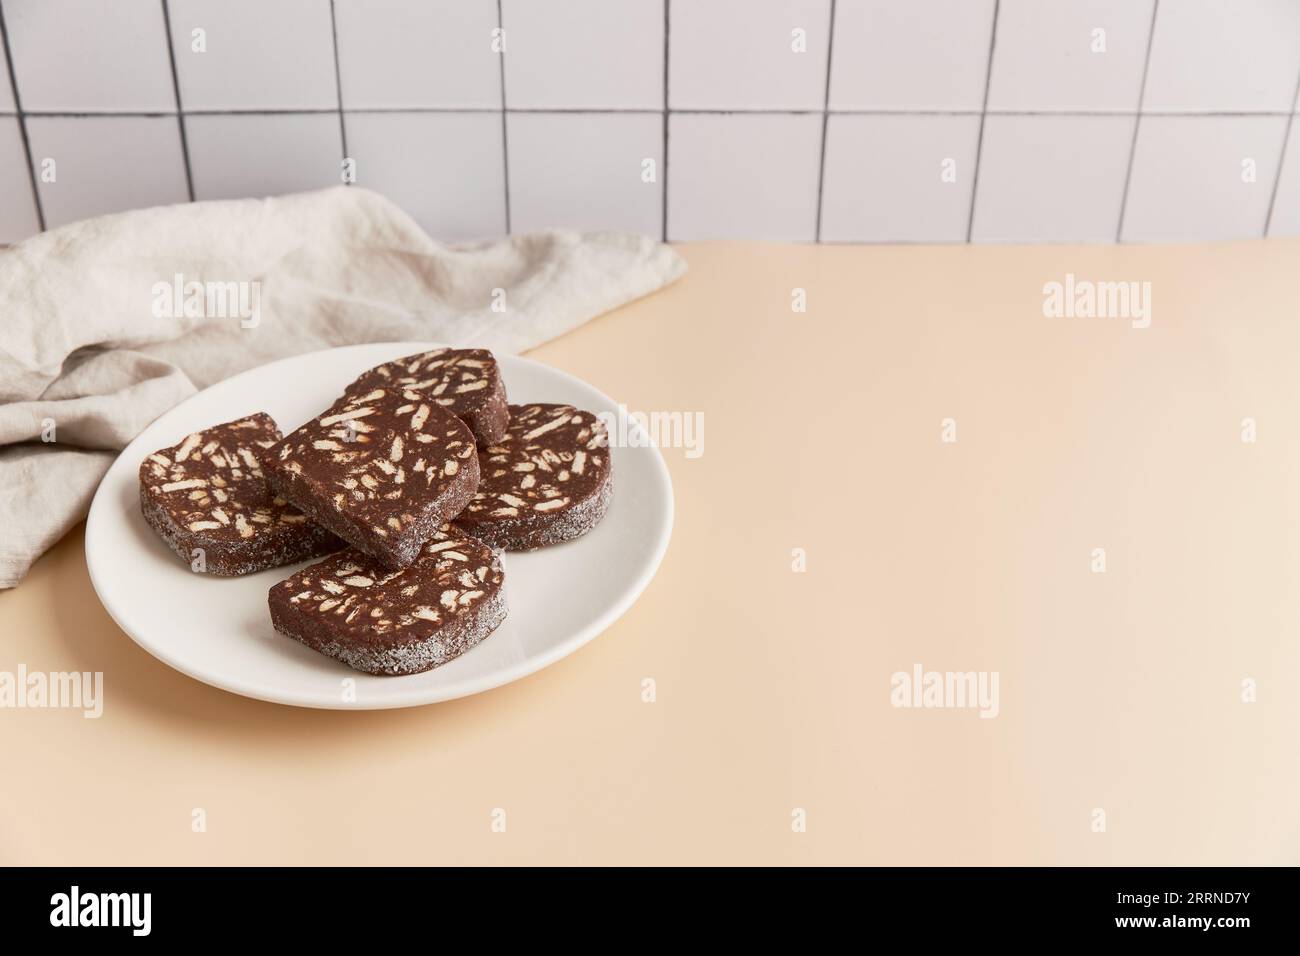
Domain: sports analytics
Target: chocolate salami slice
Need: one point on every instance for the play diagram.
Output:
(209, 492)
(546, 481)
(383, 469)
(466, 382)
(395, 622)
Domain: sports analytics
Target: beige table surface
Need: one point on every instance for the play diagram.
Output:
(1119, 691)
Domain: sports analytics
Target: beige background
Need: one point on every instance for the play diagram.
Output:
(1119, 690)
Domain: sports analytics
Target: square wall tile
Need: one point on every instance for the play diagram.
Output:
(445, 169)
(742, 55)
(90, 56)
(743, 177)
(1202, 177)
(1072, 55)
(898, 178)
(106, 164)
(17, 206)
(6, 87)
(584, 171)
(398, 54)
(1209, 56)
(592, 54)
(240, 156)
(257, 56)
(1052, 178)
(1286, 206)
(919, 55)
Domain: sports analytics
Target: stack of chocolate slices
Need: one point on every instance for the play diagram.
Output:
(412, 483)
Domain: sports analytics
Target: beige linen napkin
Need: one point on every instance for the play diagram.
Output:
(107, 323)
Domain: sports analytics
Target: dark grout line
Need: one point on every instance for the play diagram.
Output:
(851, 111)
(582, 110)
(176, 89)
(585, 109)
(636, 111)
(707, 112)
(494, 110)
(663, 186)
(1165, 114)
(1137, 124)
(834, 111)
(892, 242)
(1281, 162)
(984, 110)
(826, 107)
(505, 132)
(338, 83)
(167, 114)
(22, 121)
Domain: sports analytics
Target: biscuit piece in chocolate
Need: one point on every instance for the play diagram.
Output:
(395, 622)
(466, 382)
(209, 492)
(546, 481)
(383, 469)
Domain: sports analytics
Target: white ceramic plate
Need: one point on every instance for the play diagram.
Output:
(218, 630)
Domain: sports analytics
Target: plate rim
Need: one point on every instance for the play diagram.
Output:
(497, 678)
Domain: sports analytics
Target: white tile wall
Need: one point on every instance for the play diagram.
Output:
(1069, 55)
(236, 155)
(1203, 177)
(748, 175)
(737, 54)
(796, 120)
(585, 171)
(17, 208)
(1212, 56)
(1051, 178)
(592, 54)
(258, 55)
(898, 178)
(1285, 219)
(105, 164)
(445, 169)
(398, 54)
(73, 55)
(923, 55)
